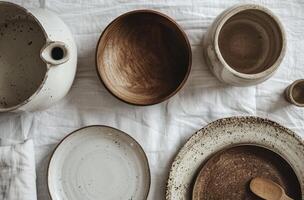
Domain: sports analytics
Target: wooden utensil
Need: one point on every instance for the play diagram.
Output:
(267, 189)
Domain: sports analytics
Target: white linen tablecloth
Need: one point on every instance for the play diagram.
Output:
(161, 129)
(17, 171)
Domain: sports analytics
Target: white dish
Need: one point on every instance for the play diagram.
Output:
(227, 132)
(98, 162)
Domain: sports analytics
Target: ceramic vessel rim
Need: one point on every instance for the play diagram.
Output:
(229, 119)
(100, 126)
(149, 11)
(290, 94)
(219, 151)
(235, 10)
(27, 12)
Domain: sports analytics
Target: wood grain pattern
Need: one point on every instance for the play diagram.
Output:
(267, 189)
(143, 57)
(228, 173)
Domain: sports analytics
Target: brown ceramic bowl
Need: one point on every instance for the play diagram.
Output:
(227, 174)
(143, 57)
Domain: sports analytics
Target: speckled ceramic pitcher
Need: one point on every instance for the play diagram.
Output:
(37, 58)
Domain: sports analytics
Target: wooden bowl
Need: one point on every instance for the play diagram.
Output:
(143, 57)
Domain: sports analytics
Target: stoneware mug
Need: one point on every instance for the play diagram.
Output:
(38, 58)
(294, 93)
(245, 45)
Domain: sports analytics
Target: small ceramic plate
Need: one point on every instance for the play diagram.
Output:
(98, 162)
(228, 132)
(227, 174)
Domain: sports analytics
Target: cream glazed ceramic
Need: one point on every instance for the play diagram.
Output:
(294, 93)
(244, 45)
(38, 58)
(228, 132)
(98, 162)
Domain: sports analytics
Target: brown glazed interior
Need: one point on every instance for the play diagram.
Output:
(143, 57)
(22, 71)
(227, 174)
(298, 92)
(250, 41)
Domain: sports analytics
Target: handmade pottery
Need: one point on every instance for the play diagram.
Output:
(229, 132)
(143, 57)
(295, 93)
(228, 174)
(37, 58)
(98, 162)
(245, 45)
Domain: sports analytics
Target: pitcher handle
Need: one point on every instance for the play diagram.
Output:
(55, 53)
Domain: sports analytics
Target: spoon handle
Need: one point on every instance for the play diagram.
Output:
(285, 197)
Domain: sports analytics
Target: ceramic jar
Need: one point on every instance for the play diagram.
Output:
(244, 45)
(38, 58)
(294, 93)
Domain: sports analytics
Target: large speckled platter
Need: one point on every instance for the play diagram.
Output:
(98, 162)
(229, 132)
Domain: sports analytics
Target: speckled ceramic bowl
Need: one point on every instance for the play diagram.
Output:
(228, 132)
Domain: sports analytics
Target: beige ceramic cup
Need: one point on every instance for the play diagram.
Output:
(294, 93)
(244, 45)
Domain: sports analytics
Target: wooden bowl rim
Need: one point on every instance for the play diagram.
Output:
(183, 34)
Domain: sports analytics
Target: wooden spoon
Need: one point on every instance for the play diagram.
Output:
(268, 189)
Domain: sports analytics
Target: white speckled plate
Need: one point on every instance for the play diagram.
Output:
(227, 132)
(98, 162)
